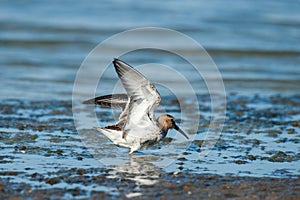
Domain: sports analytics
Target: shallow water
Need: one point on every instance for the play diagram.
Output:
(40, 137)
(42, 45)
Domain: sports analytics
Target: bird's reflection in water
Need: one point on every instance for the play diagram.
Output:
(139, 171)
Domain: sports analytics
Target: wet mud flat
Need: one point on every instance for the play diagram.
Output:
(257, 156)
(167, 185)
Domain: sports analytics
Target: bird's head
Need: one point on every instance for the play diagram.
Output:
(167, 122)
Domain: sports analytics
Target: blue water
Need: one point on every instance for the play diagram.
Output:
(253, 43)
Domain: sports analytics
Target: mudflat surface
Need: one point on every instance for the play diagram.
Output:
(257, 155)
(165, 186)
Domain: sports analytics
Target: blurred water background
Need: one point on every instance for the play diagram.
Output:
(255, 44)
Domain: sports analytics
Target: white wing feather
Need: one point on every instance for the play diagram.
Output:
(142, 94)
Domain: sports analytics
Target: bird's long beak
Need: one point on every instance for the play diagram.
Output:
(180, 131)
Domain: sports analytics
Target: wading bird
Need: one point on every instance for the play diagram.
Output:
(137, 126)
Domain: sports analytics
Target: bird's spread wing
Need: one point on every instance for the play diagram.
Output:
(110, 101)
(143, 96)
(113, 101)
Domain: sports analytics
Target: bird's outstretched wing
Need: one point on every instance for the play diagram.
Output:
(110, 101)
(143, 96)
(113, 101)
